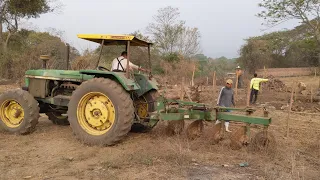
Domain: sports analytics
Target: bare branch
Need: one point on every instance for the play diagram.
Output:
(274, 25)
(16, 22)
(303, 16)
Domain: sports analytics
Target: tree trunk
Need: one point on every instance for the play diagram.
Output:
(5, 44)
(1, 40)
(318, 41)
(7, 58)
(9, 67)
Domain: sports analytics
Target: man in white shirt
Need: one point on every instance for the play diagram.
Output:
(119, 64)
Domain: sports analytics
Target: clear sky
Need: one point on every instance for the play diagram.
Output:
(223, 24)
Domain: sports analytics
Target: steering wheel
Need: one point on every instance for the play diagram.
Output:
(101, 68)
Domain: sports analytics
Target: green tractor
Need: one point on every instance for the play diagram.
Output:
(101, 106)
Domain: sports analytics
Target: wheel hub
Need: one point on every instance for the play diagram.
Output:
(12, 113)
(17, 113)
(96, 113)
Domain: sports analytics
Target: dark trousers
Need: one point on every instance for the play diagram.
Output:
(253, 96)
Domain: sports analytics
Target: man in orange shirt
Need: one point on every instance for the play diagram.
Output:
(239, 74)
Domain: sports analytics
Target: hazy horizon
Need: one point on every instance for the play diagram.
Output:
(223, 25)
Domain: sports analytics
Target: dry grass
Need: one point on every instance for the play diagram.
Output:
(52, 152)
(4, 88)
(173, 73)
(310, 81)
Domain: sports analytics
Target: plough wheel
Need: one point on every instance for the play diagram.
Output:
(217, 134)
(263, 141)
(143, 106)
(175, 127)
(239, 138)
(195, 129)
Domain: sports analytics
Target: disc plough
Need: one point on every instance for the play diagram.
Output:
(175, 112)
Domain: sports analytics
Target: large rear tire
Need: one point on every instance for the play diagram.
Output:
(19, 112)
(100, 112)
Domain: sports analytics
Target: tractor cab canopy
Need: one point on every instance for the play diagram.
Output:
(109, 39)
(113, 39)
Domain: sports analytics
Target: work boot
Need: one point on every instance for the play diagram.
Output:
(227, 126)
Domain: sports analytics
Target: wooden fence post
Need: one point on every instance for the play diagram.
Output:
(166, 79)
(192, 80)
(214, 82)
(295, 91)
(264, 76)
(237, 79)
(182, 89)
(289, 110)
(248, 93)
(311, 95)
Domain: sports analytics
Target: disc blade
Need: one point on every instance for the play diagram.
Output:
(264, 141)
(175, 127)
(195, 129)
(238, 138)
(217, 133)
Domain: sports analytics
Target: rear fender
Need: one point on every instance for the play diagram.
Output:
(127, 84)
(146, 84)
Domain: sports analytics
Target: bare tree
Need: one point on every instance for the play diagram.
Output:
(171, 35)
(189, 42)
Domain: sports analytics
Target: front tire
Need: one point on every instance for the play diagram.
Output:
(19, 112)
(100, 112)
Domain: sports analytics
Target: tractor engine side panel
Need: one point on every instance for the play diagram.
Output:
(38, 87)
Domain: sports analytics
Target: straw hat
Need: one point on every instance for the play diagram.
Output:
(229, 81)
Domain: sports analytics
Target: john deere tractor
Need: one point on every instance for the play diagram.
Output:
(101, 106)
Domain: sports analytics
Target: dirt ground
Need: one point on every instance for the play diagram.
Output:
(310, 81)
(52, 152)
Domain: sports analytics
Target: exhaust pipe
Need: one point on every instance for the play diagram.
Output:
(44, 59)
(68, 55)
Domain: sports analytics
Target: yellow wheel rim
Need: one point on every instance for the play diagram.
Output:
(142, 106)
(12, 113)
(96, 113)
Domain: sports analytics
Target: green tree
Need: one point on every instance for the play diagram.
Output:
(255, 54)
(26, 47)
(288, 48)
(307, 11)
(11, 12)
